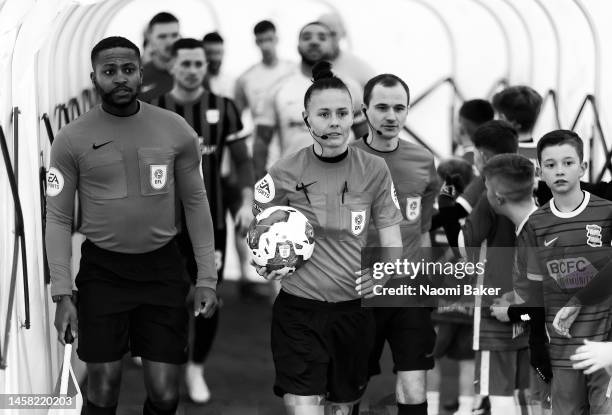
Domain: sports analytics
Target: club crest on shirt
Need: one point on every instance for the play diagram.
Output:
(284, 250)
(212, 116)
(594, 236)
(358, 221)
(394, 196)
(159, 176)
(413, 207)
(264, 189)
(55, 182)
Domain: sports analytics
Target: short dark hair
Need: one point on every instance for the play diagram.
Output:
(477, 111)
(515, 171)
(113, 42)
(559, 137)
(212, 37)
(497, 136)
(264, 26)
(456, 166)
(162, 17)
(385, 79)
(520, 104)
(185, 43)
(323, 78)
(316, 22)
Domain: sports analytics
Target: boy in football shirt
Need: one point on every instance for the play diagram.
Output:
(472, 114)
(520, 106)
(502, 364)
(409, 330)
(572, 235)
(509, 182)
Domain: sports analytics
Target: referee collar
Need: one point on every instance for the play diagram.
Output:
(365, 140)
(334, 159)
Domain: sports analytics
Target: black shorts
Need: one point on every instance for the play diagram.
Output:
(232, 195)
(134, 301)
(455, 340)
(411, 336)
(321, 348)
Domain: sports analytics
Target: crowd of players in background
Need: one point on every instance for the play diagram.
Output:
(247, 123)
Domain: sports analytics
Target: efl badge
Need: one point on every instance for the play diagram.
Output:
(394, 196)
(264, 189)
(159, 176)
(594, 236)
(284, 250)
(358, 220)
(55, 182)
(413, 207)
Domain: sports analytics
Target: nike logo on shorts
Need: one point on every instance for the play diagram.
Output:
(97, 146)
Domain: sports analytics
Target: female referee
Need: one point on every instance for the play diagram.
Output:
(321, 336)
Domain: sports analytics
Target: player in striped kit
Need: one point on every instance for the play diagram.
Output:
(216, 121)
(502, 364)
(572, 234)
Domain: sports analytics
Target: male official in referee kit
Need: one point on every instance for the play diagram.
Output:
(127, 159)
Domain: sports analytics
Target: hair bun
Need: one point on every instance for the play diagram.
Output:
(322, 70)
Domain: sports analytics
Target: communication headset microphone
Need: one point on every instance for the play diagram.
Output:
(322, 136)
(365, 114)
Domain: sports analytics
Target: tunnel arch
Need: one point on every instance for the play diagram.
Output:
(554, 45)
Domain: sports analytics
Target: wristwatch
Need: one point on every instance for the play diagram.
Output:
(58, 298)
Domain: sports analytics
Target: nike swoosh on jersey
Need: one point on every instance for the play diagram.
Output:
(303, 186)
(147, 88)
(548, 243)
(97, 146)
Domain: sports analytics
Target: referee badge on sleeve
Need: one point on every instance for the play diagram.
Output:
(159, 176)
(413, 207)
(264, 189)
(55, 182)
(358, 220)
(394, 196)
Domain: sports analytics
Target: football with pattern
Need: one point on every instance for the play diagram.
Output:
(281, 239)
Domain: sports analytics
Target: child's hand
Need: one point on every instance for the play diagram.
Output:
(593, 356)
(499, 309)
(564, 320)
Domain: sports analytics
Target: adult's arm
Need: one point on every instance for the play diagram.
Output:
(62, 180)
(191, 191)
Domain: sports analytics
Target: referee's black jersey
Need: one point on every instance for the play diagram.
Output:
(216, 121)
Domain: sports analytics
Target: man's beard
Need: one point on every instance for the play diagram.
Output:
(107, 97)
(311, 62)
(190, 86)
(213, 68)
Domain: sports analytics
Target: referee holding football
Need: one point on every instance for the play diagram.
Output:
(128, 159)
(321, 336)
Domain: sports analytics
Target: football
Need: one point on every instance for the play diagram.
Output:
(281, 238)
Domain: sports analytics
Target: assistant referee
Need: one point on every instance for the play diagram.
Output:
(127, 159)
